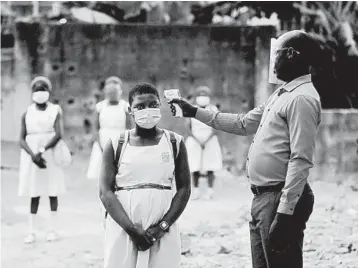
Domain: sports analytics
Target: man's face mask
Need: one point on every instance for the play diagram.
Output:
(40, 97)
(203, 100)
(147, 118)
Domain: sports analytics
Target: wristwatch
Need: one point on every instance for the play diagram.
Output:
(164, 226)
(42, 150)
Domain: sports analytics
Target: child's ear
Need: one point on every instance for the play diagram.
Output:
(129, 110)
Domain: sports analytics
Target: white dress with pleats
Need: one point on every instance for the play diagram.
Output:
(145, 207)
(207, 159)
(33, 181)
(112, 121)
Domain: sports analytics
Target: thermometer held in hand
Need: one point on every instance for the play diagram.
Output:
(170, 94)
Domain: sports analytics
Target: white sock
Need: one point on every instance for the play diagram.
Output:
(32, 223)
(53, 221)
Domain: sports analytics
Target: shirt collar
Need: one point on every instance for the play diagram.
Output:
(290, 86)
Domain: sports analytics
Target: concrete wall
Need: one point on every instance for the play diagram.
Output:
(233, 61)
(337, 144)
(15, 93)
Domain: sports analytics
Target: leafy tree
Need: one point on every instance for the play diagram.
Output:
(335, 25)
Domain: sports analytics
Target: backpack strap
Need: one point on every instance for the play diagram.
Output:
(119, 149)
(173, 141)
(171, 137)
(122, 143)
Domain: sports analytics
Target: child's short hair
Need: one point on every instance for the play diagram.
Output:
(201, 89)
(43, 81)
(140, 89)
(113, 79)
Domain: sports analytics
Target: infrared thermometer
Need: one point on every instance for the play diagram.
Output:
(170, 94)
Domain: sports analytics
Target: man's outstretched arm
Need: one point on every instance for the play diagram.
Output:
(239, 124)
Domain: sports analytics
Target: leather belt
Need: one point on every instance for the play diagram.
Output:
(257, 190)
(144, 186)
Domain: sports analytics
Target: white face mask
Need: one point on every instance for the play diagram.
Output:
(203, 100)
(40, 97)
(147, 118)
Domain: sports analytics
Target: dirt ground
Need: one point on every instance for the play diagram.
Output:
(217, 229)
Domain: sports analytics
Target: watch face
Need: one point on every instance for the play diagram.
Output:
(164, 225)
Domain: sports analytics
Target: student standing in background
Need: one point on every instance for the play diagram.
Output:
(204, 152)
(39, 175)
(112, 119)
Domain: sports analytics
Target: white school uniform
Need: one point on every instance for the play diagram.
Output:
(33, 181)
(144, 207)
(209, 159)
(112, 122)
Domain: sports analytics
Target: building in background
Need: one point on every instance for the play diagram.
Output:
(23, 9)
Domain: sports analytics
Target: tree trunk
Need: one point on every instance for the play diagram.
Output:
(345, 37)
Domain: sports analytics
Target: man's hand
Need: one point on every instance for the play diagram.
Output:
(39, 160)
(188, 109)
(140, 239)
(279, 233)
(156, 232)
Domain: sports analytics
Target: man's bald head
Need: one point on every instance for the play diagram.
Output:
(299, 41)
(296, 52)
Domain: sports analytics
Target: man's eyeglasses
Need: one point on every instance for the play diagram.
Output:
(289, 49)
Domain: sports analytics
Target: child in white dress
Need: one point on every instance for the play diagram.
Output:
(39, 175)
(137, 189)
(112, 119)
(204, 151)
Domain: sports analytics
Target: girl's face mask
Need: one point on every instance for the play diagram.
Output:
(203, 100)
(40, 97)
(147, 118)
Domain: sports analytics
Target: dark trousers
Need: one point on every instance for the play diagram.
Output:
(263, 211)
